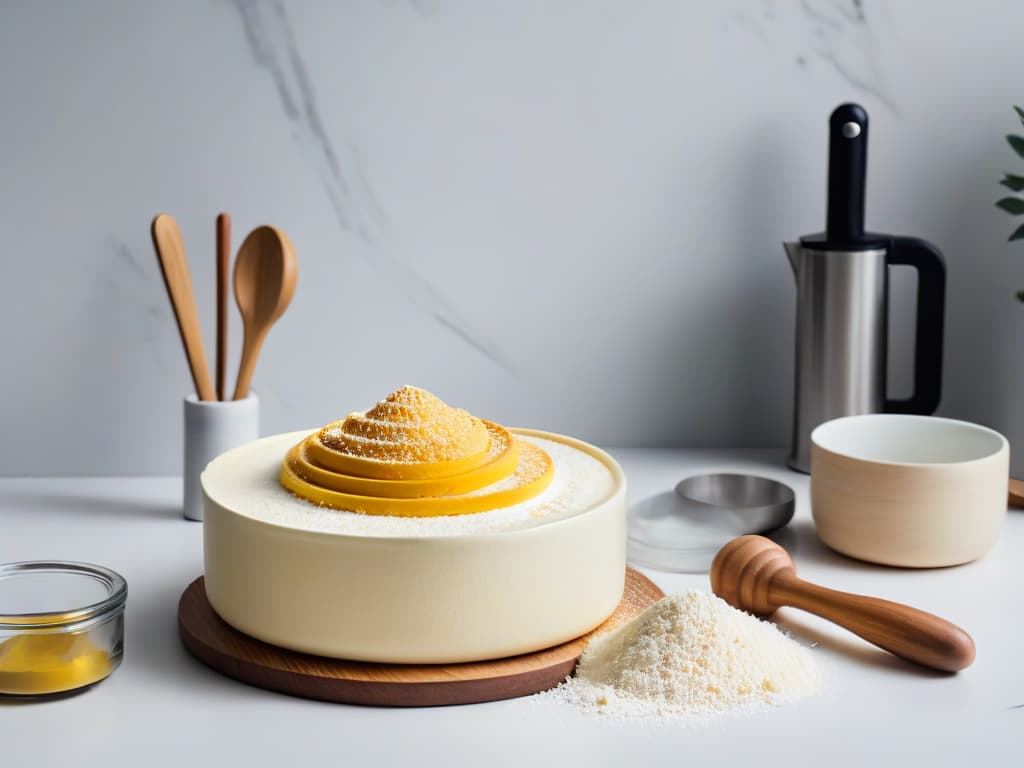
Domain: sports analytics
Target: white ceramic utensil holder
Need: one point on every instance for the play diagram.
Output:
(212, 427)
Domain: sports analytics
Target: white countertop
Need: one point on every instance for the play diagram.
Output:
(162, 707)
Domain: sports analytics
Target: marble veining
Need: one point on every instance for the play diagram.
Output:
(819, 17)
(418, 148)
(484, 350)
(271, 39)
(843, 41)
(140, 294)
(126, 258)
(835, 33)
(425, 8)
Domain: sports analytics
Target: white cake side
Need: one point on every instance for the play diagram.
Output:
(432, 590)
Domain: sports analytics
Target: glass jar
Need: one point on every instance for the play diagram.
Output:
(61, 626)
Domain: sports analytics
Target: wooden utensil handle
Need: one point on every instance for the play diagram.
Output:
(904, 631)
(1016, 489)
(251, 345)
(170, 252)
(223, 268)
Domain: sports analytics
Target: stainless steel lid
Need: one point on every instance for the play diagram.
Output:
(682, 531)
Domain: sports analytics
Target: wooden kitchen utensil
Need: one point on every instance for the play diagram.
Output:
(266, 271)
(237, 655)
(223, 264)
(1016, 492)
(170, 252)
(755, 574)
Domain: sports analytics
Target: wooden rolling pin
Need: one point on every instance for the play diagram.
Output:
(755, 574)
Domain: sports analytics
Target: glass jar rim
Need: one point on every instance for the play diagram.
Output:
(115, 585)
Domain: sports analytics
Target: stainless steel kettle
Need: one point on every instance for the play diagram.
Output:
(842, 278)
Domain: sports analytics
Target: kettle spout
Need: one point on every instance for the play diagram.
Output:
(793, 254)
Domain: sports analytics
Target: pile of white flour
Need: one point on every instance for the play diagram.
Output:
(690, 654)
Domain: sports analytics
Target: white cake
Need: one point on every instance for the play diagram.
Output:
(414, 589)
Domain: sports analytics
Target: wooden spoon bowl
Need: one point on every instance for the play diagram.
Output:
(266, 272)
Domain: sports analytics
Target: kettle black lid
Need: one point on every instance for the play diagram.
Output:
(868, 241)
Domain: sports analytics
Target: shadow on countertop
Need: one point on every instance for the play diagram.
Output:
(115, 506)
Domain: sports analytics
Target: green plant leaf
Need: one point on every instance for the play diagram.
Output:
(1020, 113)
(1018, 234)
(1017, 142)
(1016, 183)
(1014, 205)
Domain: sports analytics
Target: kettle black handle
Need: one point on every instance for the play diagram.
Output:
(931, 307)
(847, 169)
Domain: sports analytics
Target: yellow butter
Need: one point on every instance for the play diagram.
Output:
(50, 662)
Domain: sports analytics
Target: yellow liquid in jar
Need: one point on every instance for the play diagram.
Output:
(34, 664)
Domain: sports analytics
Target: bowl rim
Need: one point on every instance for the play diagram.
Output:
(113, 583)
(1004, 444)
(960, 423)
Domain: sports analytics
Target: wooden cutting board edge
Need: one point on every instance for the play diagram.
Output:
(226, 650)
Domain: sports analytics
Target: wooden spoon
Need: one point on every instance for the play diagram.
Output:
(170, 252)
(223, 266)
(755, 574)
(1016, 492)
(266, 271)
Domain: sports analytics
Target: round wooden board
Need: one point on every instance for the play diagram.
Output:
(237, 655)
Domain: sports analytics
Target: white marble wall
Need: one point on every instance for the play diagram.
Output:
(563, 214)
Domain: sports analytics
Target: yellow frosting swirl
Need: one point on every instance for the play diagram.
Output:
(411, 455)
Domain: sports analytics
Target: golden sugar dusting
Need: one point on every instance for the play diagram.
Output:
(413, 455)
(409, 426)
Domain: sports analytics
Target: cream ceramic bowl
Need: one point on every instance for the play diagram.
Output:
(411, 599)
(915, 491)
